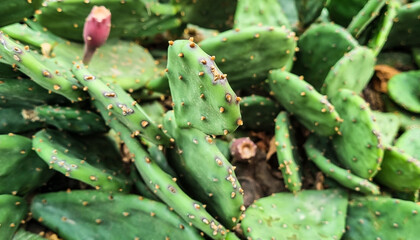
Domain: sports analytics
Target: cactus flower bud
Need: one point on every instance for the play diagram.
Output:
(243, 148)
(96, 31)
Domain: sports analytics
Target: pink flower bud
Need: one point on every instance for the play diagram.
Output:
(96, 31)
(243, 148)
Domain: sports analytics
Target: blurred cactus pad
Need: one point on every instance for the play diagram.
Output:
(210, 119)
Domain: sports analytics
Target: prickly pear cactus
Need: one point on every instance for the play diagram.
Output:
(371, 218)
(403, 89)
(287, 154)
(353, 71)
(120, 62)
(358, 145)
(120, 103)
(77, 159)
(258, 112)
(21, 170)
(306, 215)
(90, 214)
(320, 47)
(388, 124)
(399, 171)
(13, 212)
(43, 71)
(251, 47)
(201, 93)
(318, 150)
(255, 13)
(409, 142)
(165, 186)
(204, 169)
(130, 18)
(298, 97)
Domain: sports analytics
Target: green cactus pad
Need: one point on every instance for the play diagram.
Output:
(309, 10)
(251, 47)
(409, 142)
(24, 92)
(201, 93)
(382, 218)
(305, 215)
(216, 14)
(325, 159)
(365, 16)
(299, 98)
(15, 122)
(358, 146)
(98, 215)
(258, 112)
(122, 105)
(130, 18)
(13, 211)
(320, 47)
(388, 124)
(342, 12)
(21, 170)
(67, 118)
(399, 171)
(16, 11)
(353, 71)
(257, 13)
(21, 234)
(405, 31)
(164, 186)
(403, 89)
(206, 172)
(92, 161)
(25, 34)
(287, 152)
(381, 32)
(120, 62)
(43, 71)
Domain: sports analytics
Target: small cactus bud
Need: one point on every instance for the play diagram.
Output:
(96, 31)
(243, 148)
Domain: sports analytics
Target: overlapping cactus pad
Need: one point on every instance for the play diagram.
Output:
(209, 119)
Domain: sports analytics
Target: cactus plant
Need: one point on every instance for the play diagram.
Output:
(254, 13)
(120, 62)
(13, 212)
(358, 146)
(204, 169)
(131, 18)
(21, 169)
(403, 90)
(43, 71)
(287, 152)
(409, 142)
(353, 71)
(320, 47)
(90, 214)
(388, 124)
(365, 16)
(210, 105)
(318, 151)
(258, 112)
(306, 215)
(164, 186)
(371, 218)
(75, 159)
(298, 97)
(399, 171)
(118, 102)
(255, 47)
